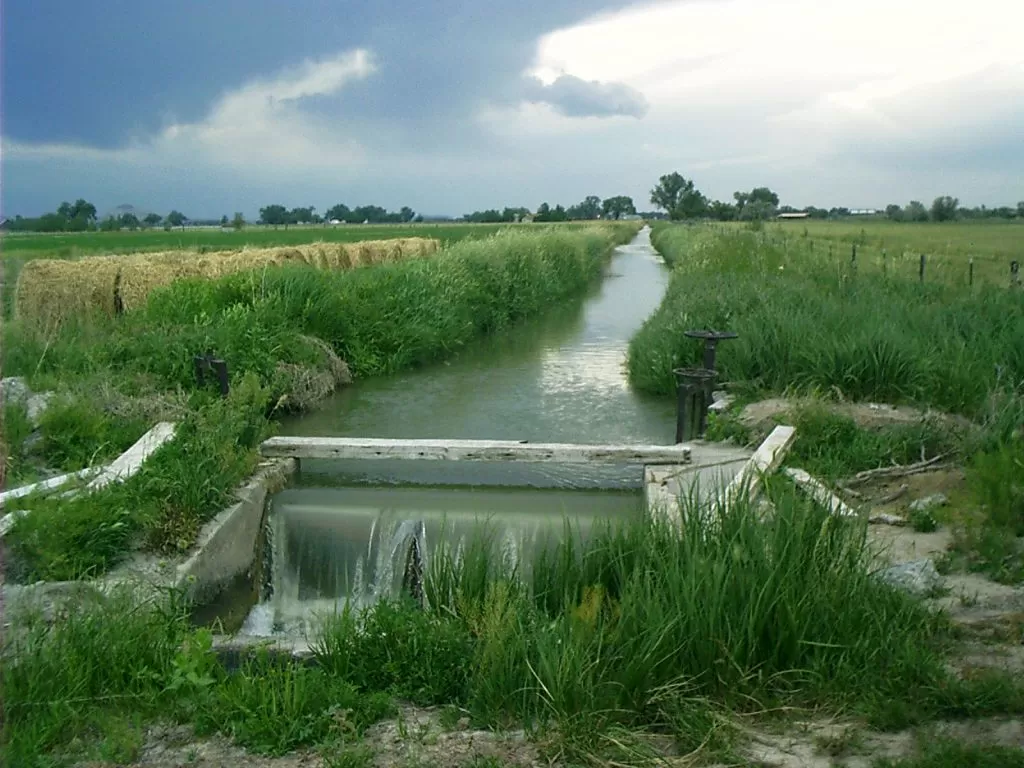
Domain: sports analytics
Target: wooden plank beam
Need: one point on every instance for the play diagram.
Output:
(120, 469)
(470, 450)
(819, 492)
(766, 459)
(129, 462)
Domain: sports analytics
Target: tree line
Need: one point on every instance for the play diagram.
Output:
(674, 197)
(81, 216)
(680, 199)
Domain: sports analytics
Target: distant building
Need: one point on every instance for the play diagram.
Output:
(797, 215)
(864, 211)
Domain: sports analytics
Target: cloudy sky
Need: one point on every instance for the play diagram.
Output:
(216, 106)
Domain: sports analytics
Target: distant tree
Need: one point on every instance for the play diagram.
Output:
(514, 214)
(407, 214)
(543, 213)
(944, 208)
(915, 211)
(65, 210)
(176, 219)
(419, 218)
(301, 215)
(372, 214)
(224, 220)
(757, 205)
(490, 216)
(722, 211)
(894, 212)
(1020, 210)
(274, 216)
(838, 213)
(152, 219)
(110, 224)
(238, 222)
(129, 221)
(339, 212)
(83, 209)
(678, 197)
(617, 207)
(559, 213)
(817, 213)
(589, 208)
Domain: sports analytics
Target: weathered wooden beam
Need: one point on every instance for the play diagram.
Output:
(819, 492)
(129, 462)
(120, 469)
(766, 459)
(471, 450)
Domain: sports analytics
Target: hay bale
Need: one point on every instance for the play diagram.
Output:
(51, 290)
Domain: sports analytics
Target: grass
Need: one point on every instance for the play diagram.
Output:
(950, 754)
(278, 329)
(806, 326)
(639, 630)
(813, 326)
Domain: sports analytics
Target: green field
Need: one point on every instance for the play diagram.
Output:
(897, 247)
(68, 244)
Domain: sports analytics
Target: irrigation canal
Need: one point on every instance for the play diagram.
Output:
(346, 527)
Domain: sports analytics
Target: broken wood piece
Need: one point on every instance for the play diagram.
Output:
(766, 459)
(820, 493)
(129, 462)
(886, 519)
(900, 470)
(7, 521)
(889, 499)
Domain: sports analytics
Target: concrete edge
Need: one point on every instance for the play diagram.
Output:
(225, 548)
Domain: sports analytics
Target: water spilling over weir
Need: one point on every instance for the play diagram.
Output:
(329, 547)
(345, 533)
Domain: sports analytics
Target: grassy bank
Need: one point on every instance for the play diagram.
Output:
(283, 332)
(807, 325)
(811, 327)
(640, 631)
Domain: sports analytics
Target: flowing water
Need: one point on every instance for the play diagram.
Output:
(558, 379)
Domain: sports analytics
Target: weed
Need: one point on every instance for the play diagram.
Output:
(923, 521)
(347, 757)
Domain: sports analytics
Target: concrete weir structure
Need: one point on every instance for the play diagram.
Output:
(229, 546)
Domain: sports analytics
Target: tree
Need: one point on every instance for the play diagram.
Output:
(83, 209)
(944, 208)
(758, 204)
(543, 213)
(224, 220)
(1020, 210)
(618, 206)
(514, 214)
(722, 211)
(152, 219)
(894, 212)
(64, 210)
(130, 220)
(176, 219)
(590, 208)
(110, 224)
(339, 212)
(407, 214)
(301, 215)
(915, 211)
(238, 222)
(274, 215)
(679, 197)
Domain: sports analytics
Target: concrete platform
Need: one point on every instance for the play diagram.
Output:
(665, 486)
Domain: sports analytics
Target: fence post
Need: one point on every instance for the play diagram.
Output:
(970, 272)
(920, 271)
(1015, 274)
(885, 262)
(853, 259)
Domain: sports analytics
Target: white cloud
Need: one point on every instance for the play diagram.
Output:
(257, 127)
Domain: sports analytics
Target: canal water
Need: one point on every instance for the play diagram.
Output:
(340, 532)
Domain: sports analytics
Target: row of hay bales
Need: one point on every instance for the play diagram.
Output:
(50, 290)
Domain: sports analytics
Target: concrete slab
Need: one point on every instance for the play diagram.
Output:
(665, 486)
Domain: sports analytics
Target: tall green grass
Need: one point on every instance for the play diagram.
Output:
(640, 628)
(808, 325)
(265, 324)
